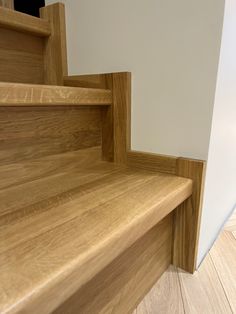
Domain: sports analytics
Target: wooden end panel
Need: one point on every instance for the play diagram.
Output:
(188, 216)
(28, 133)
(55, 51)
(21, 57)
(122, 284)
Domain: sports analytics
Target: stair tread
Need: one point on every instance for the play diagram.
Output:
(17, 94)
(71, 220)
(24, 23)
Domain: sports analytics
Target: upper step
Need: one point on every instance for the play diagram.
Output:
(63, 218)
(15, 94)
(33, 50)
(24, 23)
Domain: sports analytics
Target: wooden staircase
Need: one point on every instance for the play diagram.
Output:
(86, 224)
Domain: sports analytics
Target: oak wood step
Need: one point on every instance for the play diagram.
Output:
(62, 225)
(16, 94)
(24, 23)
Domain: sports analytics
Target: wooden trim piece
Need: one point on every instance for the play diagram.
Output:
(116, 120)
(88, 81)
(121, 115)
(24, 23)
(153, 162)
(55, 53)
(13, 94)
(7, 4)
(188, 216)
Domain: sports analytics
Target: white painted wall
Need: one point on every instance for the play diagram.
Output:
(220, 189)
(172, 48)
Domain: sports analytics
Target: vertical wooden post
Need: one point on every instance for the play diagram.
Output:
(116, 121)
(7, 4)
(187, 216)
(55, 53)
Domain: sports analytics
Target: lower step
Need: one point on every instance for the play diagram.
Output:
(63, 226)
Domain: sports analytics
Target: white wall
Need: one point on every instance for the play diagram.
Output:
(172, 48)
(220, 190)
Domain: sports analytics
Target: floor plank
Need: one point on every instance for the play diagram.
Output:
(202, 292)
(165, 296)
(212, 289)
(231, 223)
(223, 255)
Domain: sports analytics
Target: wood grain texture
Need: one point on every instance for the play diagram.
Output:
(211, 289)
(120, 286)
(21, 57)
(88, 81)
(27, 133)
(202, 292)
(99, 81)
(45, 95)
(116, 120)
(165, 297)
(121, 115)
(24, 23)
(29, 170)
(188, 216)
(224, 260)
(55, 52)
(7, 4)
(153, 162)
(59, 231)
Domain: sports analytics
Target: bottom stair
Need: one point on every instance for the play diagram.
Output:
(78, 234)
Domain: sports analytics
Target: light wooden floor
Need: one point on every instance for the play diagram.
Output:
(212, 289)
